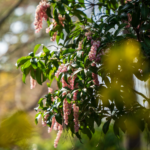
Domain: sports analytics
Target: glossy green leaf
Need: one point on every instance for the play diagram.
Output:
(116, 129)
(106, 126)
(36, 48)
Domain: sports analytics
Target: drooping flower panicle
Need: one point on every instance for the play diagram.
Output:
(95, 76)
(40, 14)
(76, 115)
(93, 51)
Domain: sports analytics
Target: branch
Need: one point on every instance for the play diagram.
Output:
(2, 20)
(141, 95)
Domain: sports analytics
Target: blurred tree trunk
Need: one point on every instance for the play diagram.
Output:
(133, 137)
(134, 141)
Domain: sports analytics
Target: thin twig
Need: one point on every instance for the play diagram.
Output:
(141, 95)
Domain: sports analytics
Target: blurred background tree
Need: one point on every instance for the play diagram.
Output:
(17, 38)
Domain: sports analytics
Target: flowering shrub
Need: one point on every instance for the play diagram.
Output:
(91, 51)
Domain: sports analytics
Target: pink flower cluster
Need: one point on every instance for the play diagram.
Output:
(129, 20)
(50, 90)
(60, 130)
(75, 95)
(128, 1)
(76, 115)
(52, 125)
(54, 37)
(32, 83)
(66, 106)
(80, 45)
(53, 25)
(95, 77)
(62, 68)
(66, 110)
(93, 51)
(88, 35)
(45, 120)
(56, 127)
(40, 14)
(61, 19)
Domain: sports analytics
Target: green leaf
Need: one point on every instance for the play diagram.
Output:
(27, 64)
(82, 3)
(61, 8)
(37, 116)
(78, 135)
(48, 85)
(48, 100)
(141, 125)
(67, 17)
(25, 73)
(147, 41)
(60, 76)
(106, 126)
(40, 102)
(41, 65)
(65, 1)
(59, 84)
(144, 11)
(121, 123)
(67, 28)
(48, 12)
(32, 73)
(109, 26)
(93, 69)
(116, 129)
(118, 101)
(56, 16)
(77, 71)
(111, 107)
(31, 54)
(69, 98)
(38, 76)
(66, 78)
(36, 48)
(97, 119)
(90, 123)
(125, 7)
(135, 17)
(87, 132)
(62, 35)
(22, 60)
(67, 51)
(57, 39)
(78, 13)
(46, 50)
(58, 118)
(121, 27)
(34, 63)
